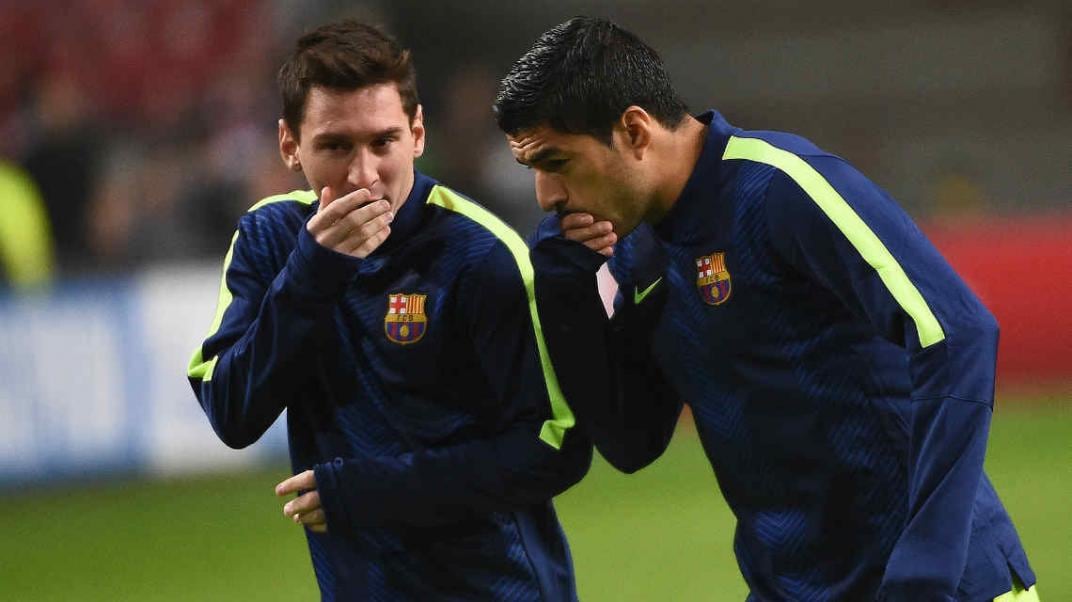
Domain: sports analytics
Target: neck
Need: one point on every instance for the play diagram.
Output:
(683, 147)
(404, 194)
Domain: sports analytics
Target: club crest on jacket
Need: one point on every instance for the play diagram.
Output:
(405, 322)
(713, 279)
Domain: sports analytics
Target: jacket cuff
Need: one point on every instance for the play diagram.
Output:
(317, 271)
(560, 256)
(547, 243)
(327, 483)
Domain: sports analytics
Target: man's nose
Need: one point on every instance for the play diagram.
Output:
(364, 171)
(550, 193)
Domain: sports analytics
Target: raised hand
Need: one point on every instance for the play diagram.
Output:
(352, 224)
(596, 235)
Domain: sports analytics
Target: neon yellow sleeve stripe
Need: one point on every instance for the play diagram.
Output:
(199, 367)
(866, 243)
(553, 430)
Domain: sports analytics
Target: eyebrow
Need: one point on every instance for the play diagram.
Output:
(341, 135)
(539, 156)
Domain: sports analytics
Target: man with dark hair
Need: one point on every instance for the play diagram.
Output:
(395, 320)
(840, 374)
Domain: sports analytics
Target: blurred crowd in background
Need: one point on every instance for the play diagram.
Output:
(144, 128)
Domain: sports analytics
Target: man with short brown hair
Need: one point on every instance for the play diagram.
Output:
(395, 320)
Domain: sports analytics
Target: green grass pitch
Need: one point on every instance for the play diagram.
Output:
(661, 534)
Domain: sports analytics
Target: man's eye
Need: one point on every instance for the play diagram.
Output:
(383, 142)
(554, 164)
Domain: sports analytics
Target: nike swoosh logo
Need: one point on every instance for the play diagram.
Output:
(640, 295)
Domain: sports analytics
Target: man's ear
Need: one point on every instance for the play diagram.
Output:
(288, 147)
(635, 129)
(417, 128)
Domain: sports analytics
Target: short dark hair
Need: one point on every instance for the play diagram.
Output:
(345, 55)
(580, 76)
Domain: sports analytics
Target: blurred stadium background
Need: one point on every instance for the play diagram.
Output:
(133, 133)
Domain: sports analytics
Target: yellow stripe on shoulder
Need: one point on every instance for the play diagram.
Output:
(198, 367)
(554, 430)
(862, 238)
(305, 197)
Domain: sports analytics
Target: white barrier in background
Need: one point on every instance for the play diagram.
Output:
(92, 381)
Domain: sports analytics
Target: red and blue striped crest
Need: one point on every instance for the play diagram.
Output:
(405, 322)
(713, 279)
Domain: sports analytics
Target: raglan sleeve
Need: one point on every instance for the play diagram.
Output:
(840, 231)
(532, 452)
(267, 318)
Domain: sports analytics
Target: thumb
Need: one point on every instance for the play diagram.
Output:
(327, 197)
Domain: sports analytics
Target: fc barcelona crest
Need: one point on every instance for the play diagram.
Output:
(405, 322)
(713, 279)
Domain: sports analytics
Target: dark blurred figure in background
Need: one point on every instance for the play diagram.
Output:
(63, 161)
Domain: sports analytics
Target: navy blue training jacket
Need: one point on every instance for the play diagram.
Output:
(416, 385)
(840, 374)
